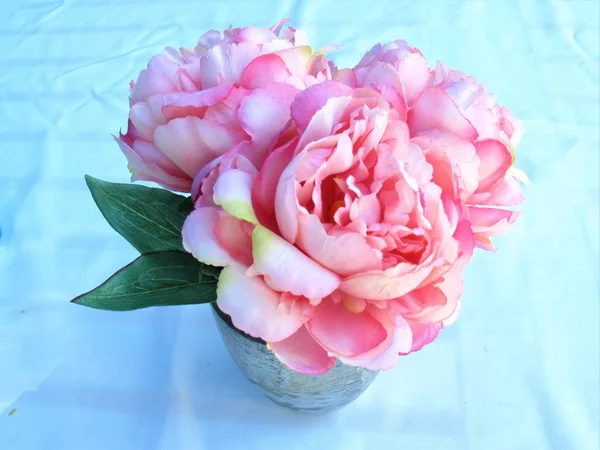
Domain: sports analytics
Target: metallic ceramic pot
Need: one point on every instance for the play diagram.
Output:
(311, 394)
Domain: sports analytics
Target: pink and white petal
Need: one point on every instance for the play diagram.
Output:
(507, 193)
(414, 74)
(218, 138)
(454, 316)
(439, 302)
(285, 268)
(308, 102)
(278, 26)
(300, 352)
(385, 355)
(323, 121)
(195, 104)
(210, 39)
(185, 82)
(255, 308)
(495, 159)
(151, 82)
(165, 181)
(422, 334)
(345, 254)
(286, 202)
(387, 284)
(150, 154)
(199, 185)
(174, 185)
(343, 333)
(518, 174)
(141, 170)
(452, 287)
(347, 77)
(215, 67)
(257, 35)
(366, 208)
(263, 194)
(396, 100)
(265, 111)
(379, 74)
(319, 67)
(435, 109)
(180, 142)
(234, 237)
(143, 120)
(484, 243)
(491, 221)
(296, 59)
(225, 111)
(200, 240)
(314, 159)
(264, 70)
(191, 143)
(340, 159)
(233, 191)
(466, 242)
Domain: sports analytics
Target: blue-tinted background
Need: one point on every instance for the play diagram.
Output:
(520, 369)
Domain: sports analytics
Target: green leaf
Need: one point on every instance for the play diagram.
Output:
(154, 279)
(212, 271)
(149, 218)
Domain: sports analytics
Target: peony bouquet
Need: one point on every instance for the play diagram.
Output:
(328, 212)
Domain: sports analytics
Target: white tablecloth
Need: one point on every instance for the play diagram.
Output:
(520, 369)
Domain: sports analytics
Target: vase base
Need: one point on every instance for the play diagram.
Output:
(307, 410)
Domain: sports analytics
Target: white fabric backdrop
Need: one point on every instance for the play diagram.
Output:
(520, 369)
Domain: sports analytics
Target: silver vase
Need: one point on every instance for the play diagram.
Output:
(311, 394)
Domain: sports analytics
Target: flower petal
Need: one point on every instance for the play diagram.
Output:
(152, 156)
(265, 111)
(507, 193)
(495, 158)
(323, 121)
(300, 352)
(286, 268)
(286, 202)
(297, 59)
(191, 142)
(199, 237)
(378, 74)
(263, 194)
(308, 102)
(422, 334)
(347, 77)
(195, 104)
(264, 70)
(435, 109)
(385, 355)
(386, 284)
(491, 221)
(255, 308)
(256, 34)
(345, 254)
(234, 236)
(144, 170)
(151, 82)
(233, 191)
(414, 74)
(143, 120)
(343, 333)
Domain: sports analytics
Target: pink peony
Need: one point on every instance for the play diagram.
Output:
(465, 135)
(185, 106)
(341, 243)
